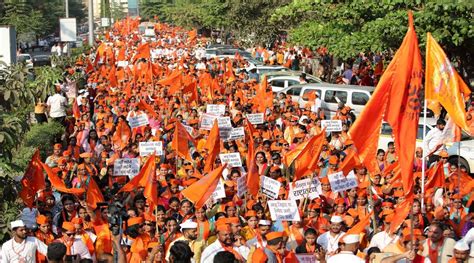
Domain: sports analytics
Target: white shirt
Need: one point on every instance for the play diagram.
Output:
(345, 257)
(79, 248)
(316, 106)
(13, 252)
(210, 252)
(382, 239)
(328, 242)
(433, 138)
(57, 104)
(469, 239)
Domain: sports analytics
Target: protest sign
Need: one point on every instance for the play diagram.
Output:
(285, 210)
(127, 166)
(339, 182)
(147, 148)
(224, 122)
(207, 120)
(231, 159)
(305, 188)
(306, 258)
(219, 193)
(236, 133)
(270, 187)
(215, 109)
(138, 121)
(241, 185)
(224, 133)
(256, 118)
(331, 125)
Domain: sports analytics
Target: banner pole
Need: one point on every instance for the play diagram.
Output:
(423, 159)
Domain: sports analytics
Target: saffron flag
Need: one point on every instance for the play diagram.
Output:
(396, 101)
(122, 135)
(94, 194)
(253, 179)
(180, 142)
(32, 181)
(435, 176)
(401, 212)
(443, 84)
(212, 146)
(200, 191)
(146, 107)
(113, 77)
(311, 151)
(358, 228)
(143, 52)
(75, 110)
(58, 184)
(145, 178)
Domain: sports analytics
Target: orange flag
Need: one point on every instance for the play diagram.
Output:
(122, 135)
(143, 52)
(311, 151)
(435, 176)
(146, 107)
(350, 161)
(361, 225)
(443, 84)
(396, 101)
(253, 178)
(401, 212)
(57, 183)
(190, 88)
(200, 191)
(291, 156)
(94, 194)
(212, 146)
(32, 181)
(180, 142)
(121, 53)
(145, 178)
(113, 77)
(174, 81)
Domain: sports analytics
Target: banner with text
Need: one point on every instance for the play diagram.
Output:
(339, 182)
(331, 125)
(256, 118)
(127, 166)
(138, 121)
(285, 210)
(241, 185)
(147, 148)
(305, 188)
(231, 159)
(270, 187)
(215, 109)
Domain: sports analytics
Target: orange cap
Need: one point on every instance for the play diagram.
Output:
(333, 159)
(233, 220)
(85, 155)
(67, 153)
(325, 180)
(69, 226)
(135, 221)
(149, 217)
(61, 161)
(223, 227)
(274, 235)
(250, 213)
(57, 146)
(443, 154)
(339, 201)
(77, 220)
(41, 220)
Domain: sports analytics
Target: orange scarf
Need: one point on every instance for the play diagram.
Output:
(231, 250)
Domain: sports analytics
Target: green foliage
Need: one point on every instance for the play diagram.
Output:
(14, 90)
(46, 77)
(43, 136)
(11, 129)
(9, 206)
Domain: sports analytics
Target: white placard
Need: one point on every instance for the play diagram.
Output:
(241, 185)
(339, 182)
(306, 258)
(206, 121)
(127, 166)
(189, 129)
(270, 187)
(224, 133)
(122, 64)
(256, 118)
(138, 121)
(285, 210)
(104, 21)
(236, 133)
(231, 159)
(224, 122)
(332, 125)
(147, 148)
(304, 189)
(215, 109)
(67, 29)
(219, 193)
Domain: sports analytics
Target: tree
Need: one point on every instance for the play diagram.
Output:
(348, 28)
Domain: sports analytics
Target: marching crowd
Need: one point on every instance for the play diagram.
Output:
(98, 197)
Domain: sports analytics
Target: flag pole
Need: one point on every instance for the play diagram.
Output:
(423, 160)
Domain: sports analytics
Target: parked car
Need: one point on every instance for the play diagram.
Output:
(280, 80)
(25, 58)
(331, 94)
(41, 60)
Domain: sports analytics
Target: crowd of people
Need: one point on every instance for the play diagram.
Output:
(104, 198)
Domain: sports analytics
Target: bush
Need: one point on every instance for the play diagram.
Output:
(43, 136)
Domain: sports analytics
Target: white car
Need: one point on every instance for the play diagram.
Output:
(464, 150)
(25, 58)
(284, 79)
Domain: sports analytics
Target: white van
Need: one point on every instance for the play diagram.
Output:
(353, 96)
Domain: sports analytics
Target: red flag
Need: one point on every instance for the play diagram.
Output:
(32, 181)
(253, 178)
(200, 191)
(180, 142)
(395, 100)
(212, 146)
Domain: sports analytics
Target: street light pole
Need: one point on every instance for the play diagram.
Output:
(91, 22)
(66, 5)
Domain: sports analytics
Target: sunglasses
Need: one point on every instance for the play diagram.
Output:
(148, 224)
(70, 234)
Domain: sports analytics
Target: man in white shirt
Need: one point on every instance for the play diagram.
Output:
(329, 241)
(384, 238)
(223, 243)
(74, 244)
(189, 230)
(348, 251)
(434, 141)
(21, 248)
(57, 105)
